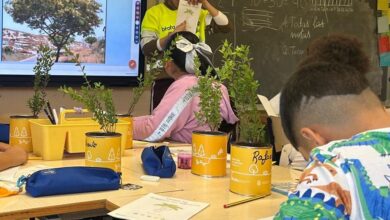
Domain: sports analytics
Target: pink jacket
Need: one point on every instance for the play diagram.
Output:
(168, 122)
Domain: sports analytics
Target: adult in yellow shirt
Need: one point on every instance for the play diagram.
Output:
(159, 24)
(160, 20)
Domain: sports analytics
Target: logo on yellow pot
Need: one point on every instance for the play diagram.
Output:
(93, 144)
(258, 157)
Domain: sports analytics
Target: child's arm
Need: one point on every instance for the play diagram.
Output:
(145, 126)
(11, 156)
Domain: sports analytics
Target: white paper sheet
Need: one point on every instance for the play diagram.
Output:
(275, 103)
(383, 24)
(9, 174)
(190, 14)
(153, 206)
(9, 177)
(14, 173)
(267, 105)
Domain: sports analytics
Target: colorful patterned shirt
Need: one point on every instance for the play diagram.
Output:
(347, 179)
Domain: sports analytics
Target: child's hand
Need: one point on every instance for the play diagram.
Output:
(18, 155)
(3, 147)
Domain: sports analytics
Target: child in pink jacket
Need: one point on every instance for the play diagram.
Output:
(174, 117)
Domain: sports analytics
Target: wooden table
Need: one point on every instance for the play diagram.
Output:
(185, 185)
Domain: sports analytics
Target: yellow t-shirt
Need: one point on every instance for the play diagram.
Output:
(162, 20)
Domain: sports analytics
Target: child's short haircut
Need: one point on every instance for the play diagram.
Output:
(312, 82)
(338, 48)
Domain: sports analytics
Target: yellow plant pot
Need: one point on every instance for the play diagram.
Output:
(250, 170)
(20, 132)
(103, 150)
(129, 139)
(49, 140)
(209, 153)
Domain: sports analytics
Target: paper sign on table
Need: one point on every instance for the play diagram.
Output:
(153, 206)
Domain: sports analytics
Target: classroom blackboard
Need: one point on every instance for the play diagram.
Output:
(278, 32)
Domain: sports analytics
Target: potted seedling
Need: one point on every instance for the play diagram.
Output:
(208, 147)
(20, 133)
(103, 148)
(144, 81)
(251, 155)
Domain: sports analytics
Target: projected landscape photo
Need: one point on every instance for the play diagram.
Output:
(77, 25)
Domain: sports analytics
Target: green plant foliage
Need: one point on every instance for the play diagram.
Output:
(238, 76)
(167, 53)
(210, 95)
(41, 79)
(152, 70)
(97, 99)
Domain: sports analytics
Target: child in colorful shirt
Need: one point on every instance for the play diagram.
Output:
(345, 179)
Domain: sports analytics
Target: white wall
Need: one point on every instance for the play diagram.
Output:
(13, 101)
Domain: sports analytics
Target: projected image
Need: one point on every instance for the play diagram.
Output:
(76, 25)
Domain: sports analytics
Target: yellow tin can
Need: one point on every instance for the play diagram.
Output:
(20, 132)
(129, 139)
(103, 150)
(250, 170)
(209, 153)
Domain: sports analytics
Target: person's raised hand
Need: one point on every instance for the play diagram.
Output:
(180, 27)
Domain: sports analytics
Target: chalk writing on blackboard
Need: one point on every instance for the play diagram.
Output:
(278, 32)
(254, 19)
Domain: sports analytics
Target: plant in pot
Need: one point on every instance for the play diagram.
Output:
(20, 133)
(251, 155)
(103, 148)
(144, 81)
(209, 148)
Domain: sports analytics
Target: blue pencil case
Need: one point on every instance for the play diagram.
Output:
(158, 161)
(4, 133)
(66, 180)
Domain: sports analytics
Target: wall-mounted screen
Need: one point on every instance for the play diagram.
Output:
(105, 34)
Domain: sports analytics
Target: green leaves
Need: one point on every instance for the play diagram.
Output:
(97, 99)
(209, 90)
(152, 70)
(41, 79)
(238, 76)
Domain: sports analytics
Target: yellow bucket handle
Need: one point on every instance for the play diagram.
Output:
(63, 112)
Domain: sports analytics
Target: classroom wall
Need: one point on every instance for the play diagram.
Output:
(14, 101)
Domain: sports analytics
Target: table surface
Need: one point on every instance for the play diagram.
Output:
(184, 185)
